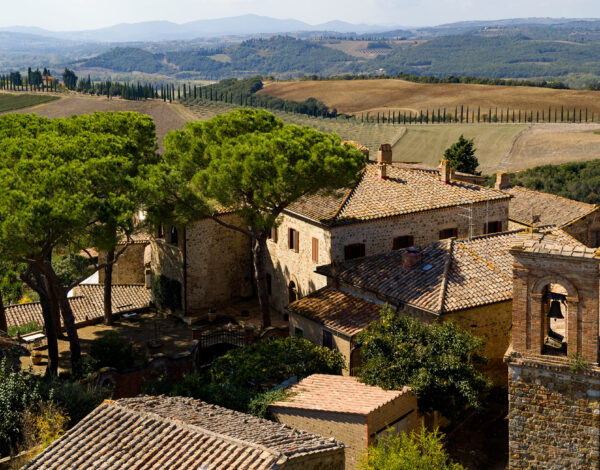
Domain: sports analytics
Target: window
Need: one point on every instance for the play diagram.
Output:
(493, 227)
(160, 232)
(292, 292)
(315, 250)
(273, 235)
(356, 250)
(298, 332)
(596, 239)
(269, 283)
(403, 242)
(293, 240)
(174, 236)
(327, 339)
(448, 233)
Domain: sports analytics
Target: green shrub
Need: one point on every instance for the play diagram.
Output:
(260, 403)
(418, 450)
(23, 329)
(263, 365)
(167, 292)
(112, 350)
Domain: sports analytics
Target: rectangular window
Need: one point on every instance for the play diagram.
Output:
(448, 233)
(315, 250)
(596, 239)
(293, 240)
(298, 332)
(273, 235)
(327, 339)
(403, 242)
(492, 227)
(356, 250)
(269, 284)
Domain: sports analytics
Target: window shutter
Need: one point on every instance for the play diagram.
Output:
(290, 238)
(296, 241)
(274, 234)
(315, 250)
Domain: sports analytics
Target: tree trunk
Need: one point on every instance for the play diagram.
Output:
(259, 248)
(3, 322)
(108, 270)
(51, 339)
(69, 320)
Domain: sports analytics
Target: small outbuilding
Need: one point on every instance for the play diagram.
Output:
(347, 410)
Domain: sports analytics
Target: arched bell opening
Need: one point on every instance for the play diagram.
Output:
(292, 292)
(555, 318)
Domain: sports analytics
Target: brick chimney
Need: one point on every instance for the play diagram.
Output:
(502, 180)
(446, 173)
(411, 257)
(384, 158)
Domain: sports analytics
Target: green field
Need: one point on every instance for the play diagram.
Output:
(368, 134)
(10, 102)
(426, 143)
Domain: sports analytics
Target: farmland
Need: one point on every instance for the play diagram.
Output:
(166, 116)
(368, 134)
(362, 96)
(11, 102)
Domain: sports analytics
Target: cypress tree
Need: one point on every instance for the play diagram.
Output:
(586, 115)
(537, 116)
(562, 114)
(579, 114)
(478, 114)
(455, 114)
(461, 113)
(467, 115)
(444, 114)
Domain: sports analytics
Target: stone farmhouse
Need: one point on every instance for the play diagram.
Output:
(173, 433)
(347, 410)
(390, 208)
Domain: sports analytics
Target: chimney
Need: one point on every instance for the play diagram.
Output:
(502, 180)
(446, 172)
(411, 257)
(384, 158)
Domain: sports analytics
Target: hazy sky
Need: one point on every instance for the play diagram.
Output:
(88, 14)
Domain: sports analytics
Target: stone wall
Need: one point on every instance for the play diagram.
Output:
(318, 460)
(129, 268)
(554, 416)
(493, 324)
(351, 429)
(219, 265)
(313, 331)
(584, 228)
(131, 382)
(424, 227)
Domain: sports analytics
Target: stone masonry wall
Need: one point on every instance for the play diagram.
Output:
(129, 268)
(554, 417)
(424, 227)
(583, 228)
(384, 416)
(351, 429)
(313, 332)
(219, 265)
(493, 324)
(324, 460)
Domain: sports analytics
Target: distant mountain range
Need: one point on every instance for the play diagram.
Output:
(167, 31)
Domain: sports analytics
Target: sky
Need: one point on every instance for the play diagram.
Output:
(70, 15)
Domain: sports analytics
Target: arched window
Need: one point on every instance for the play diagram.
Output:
(292, 292)
(555, 309)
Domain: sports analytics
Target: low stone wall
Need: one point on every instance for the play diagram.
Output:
(554, 415)
(131, 382)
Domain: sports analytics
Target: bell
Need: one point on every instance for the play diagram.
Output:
(555, 310)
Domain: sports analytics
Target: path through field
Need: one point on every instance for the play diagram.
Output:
(166, 116)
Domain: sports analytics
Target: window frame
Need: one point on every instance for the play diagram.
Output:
(453, 235)
(354, 246)
(396, 245)
(293, 239)
(495, 223)
(315, 250)
(327, 334)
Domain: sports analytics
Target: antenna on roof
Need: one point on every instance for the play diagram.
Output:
(467, 212)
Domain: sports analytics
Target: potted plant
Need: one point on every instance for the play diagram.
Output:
(36, 357)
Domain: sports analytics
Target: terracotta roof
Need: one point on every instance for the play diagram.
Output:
(548, 209)
(453, 275)
(548, 247)
(337, 310)
(87, 304)
(338, 394)
(404, 191)
(172, 433)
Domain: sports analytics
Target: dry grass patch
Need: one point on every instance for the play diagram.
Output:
(426, 143)
(356, 96)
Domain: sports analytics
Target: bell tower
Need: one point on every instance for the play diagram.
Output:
(553, 373)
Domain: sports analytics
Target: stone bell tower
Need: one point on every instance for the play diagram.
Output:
(553, 373)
